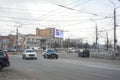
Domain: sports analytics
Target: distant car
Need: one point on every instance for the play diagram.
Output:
(50, 53)
(4, 59)
(83, 53)
(29, 54)
(12, 50)
(71, 50)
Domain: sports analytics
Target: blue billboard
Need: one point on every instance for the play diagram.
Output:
(59, 33)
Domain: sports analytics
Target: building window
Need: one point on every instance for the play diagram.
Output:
(28, 39)
(35, 43)
(31, 42)
(27, 42)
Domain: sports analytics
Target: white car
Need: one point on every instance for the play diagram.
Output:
(29, 54)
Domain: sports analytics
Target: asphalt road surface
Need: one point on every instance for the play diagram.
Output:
(67, 68)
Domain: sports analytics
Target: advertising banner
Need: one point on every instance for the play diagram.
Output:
(59, 33)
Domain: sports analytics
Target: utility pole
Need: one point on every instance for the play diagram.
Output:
(17, 46)
(107, 45)
(68, 43)
(16, 39)
(50, 38)
(115, 40)
(96, 35)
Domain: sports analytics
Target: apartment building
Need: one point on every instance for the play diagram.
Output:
(34, 41)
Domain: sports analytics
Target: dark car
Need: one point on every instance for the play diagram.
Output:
(50, 54)
(4, 59)
(83, 53)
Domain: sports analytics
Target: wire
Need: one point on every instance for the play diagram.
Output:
(67, 15)
(49, 13)
(53, 12)
(70, 7)
(65, 7)
(82, 3)
(51, 20)
(42, 20)
(19, 9)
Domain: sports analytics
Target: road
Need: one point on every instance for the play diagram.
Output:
(67, 67)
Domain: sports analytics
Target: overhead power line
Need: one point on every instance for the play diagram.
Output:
(43, 15)
(26, 19)
(66, 7)
(58, 10)
(85, 2)
(54, 12)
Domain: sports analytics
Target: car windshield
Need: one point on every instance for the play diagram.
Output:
(29, 51)
(51, 51)
(2, 53)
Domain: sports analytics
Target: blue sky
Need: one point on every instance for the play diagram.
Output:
(77, 23)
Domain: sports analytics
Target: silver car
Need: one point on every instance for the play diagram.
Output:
(29, 54)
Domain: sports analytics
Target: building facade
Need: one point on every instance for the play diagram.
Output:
(5, 42)
(53, 36)
(34, 41)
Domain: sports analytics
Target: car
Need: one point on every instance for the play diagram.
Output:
(71, 50)
(83, 53)
(4, 59)
(50, 54)
(12, 50)
(29, 54)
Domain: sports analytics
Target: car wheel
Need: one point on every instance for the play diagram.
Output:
(1, 66)
(44, 56)
(47, 56)
(23, 57)
(78, 54)
(88, 56)
(56, 56)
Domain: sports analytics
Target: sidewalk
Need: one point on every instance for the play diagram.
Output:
(9, 74)
(104, 55)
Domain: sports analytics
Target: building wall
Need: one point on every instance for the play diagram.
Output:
(5, 42)
(20, 41)
(34, 41)
(12, 41)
